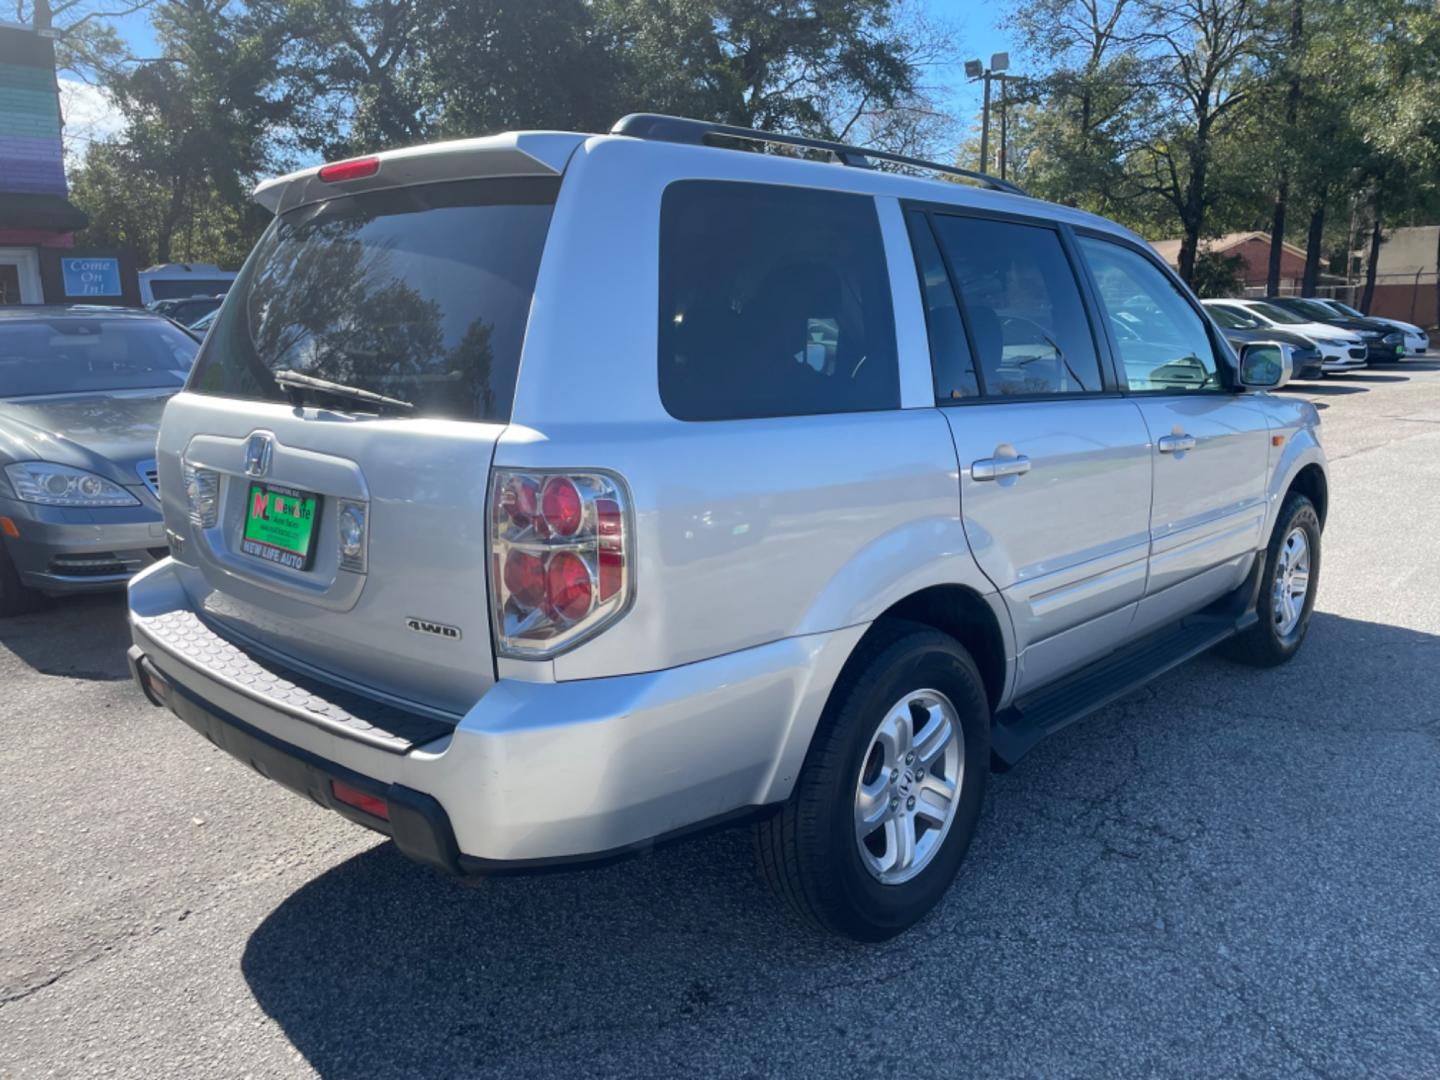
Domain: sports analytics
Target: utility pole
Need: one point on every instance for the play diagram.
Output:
(975, 70)
(985, 128)
(1004, 125)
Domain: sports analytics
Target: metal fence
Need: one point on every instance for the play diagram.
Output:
(1407, 296)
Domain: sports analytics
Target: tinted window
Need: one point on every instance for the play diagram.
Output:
(950, 358)
(1277, 314)
(182, 287)
(1232, 318)
(1161, 338)
(1309, 309)
(774, 301)
(421, 293)
(1023, 307)
(63, 355)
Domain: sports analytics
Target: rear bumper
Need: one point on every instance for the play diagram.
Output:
(416, 822)
(61, 550)
(1343, 363)
(536, 774)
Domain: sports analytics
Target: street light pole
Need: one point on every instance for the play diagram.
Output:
(974, 70)
(1004, 125)
(985, 127)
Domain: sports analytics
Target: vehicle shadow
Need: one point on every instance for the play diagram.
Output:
(1369, 376)
(1329, 388)
(79, 637)
(1118, 837)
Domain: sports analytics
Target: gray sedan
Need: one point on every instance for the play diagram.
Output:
(81, 393)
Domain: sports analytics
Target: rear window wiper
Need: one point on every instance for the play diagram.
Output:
(296, 384)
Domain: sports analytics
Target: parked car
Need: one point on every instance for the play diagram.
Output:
(1386, 345)
(1417, 340)
(817, 491)
(201, 326)
(1300, 352)
(188, 311)
(1342, 351)
(81, 393)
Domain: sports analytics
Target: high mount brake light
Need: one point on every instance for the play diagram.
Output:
(354, 169)
(561, 558)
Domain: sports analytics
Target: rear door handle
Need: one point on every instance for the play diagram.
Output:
(1169, 444)
(994, 468)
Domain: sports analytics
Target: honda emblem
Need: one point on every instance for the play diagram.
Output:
(257, 454)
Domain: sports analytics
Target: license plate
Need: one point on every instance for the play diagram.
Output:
(280, 525)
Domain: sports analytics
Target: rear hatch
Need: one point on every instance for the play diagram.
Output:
(348, 536)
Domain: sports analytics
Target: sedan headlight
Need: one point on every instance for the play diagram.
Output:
(59, 485)
(1337, 342)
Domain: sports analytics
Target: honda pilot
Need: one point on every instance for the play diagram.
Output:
(538, 498)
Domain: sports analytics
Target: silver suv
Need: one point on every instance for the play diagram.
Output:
(540, 497)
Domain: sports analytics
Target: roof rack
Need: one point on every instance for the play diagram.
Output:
(678, 129)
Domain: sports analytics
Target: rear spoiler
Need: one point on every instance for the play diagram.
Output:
(519, 153)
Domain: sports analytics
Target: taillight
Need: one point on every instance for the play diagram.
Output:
(354, 169)
(562, 559)
(202, 495)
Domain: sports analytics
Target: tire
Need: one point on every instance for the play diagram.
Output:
(809, 851)
(15, 599)
(1270, 642)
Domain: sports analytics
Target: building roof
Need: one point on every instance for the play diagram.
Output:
(35, 210)
(1169, 250)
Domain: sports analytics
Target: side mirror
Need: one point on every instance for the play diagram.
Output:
(1264, 365)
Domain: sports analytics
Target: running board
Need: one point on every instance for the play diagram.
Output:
(1018, 728)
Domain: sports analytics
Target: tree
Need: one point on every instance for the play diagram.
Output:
(1217, 274)
(1207, 61)
(381, 73)
(197, 124)
(1093, 90)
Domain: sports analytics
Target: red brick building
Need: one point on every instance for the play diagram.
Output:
(1254, 249)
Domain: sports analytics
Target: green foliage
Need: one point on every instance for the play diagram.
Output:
(1216, 274)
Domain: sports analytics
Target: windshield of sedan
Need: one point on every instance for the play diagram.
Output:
(1345, 309)
(1277, 314)
(69, 355)
(1232, 318)
(1310, 309)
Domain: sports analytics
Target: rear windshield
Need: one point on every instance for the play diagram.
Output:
(85, 354)
(420, 294)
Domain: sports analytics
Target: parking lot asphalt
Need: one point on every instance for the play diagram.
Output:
(1231, 873)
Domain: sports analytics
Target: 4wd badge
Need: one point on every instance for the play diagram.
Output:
(425, 626)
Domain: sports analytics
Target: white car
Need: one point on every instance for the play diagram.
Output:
(1342, 350)
(1417, 341)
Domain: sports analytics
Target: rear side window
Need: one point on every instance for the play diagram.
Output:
(1023, 305)
(951, 363)
(419, 293)
(774, 301)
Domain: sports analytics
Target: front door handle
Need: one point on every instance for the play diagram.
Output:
(1170, 444)
(991, 468)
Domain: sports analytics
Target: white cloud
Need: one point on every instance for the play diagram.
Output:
(89, 115)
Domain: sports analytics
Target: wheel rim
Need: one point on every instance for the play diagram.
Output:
(909, 786)
(1292, 582)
